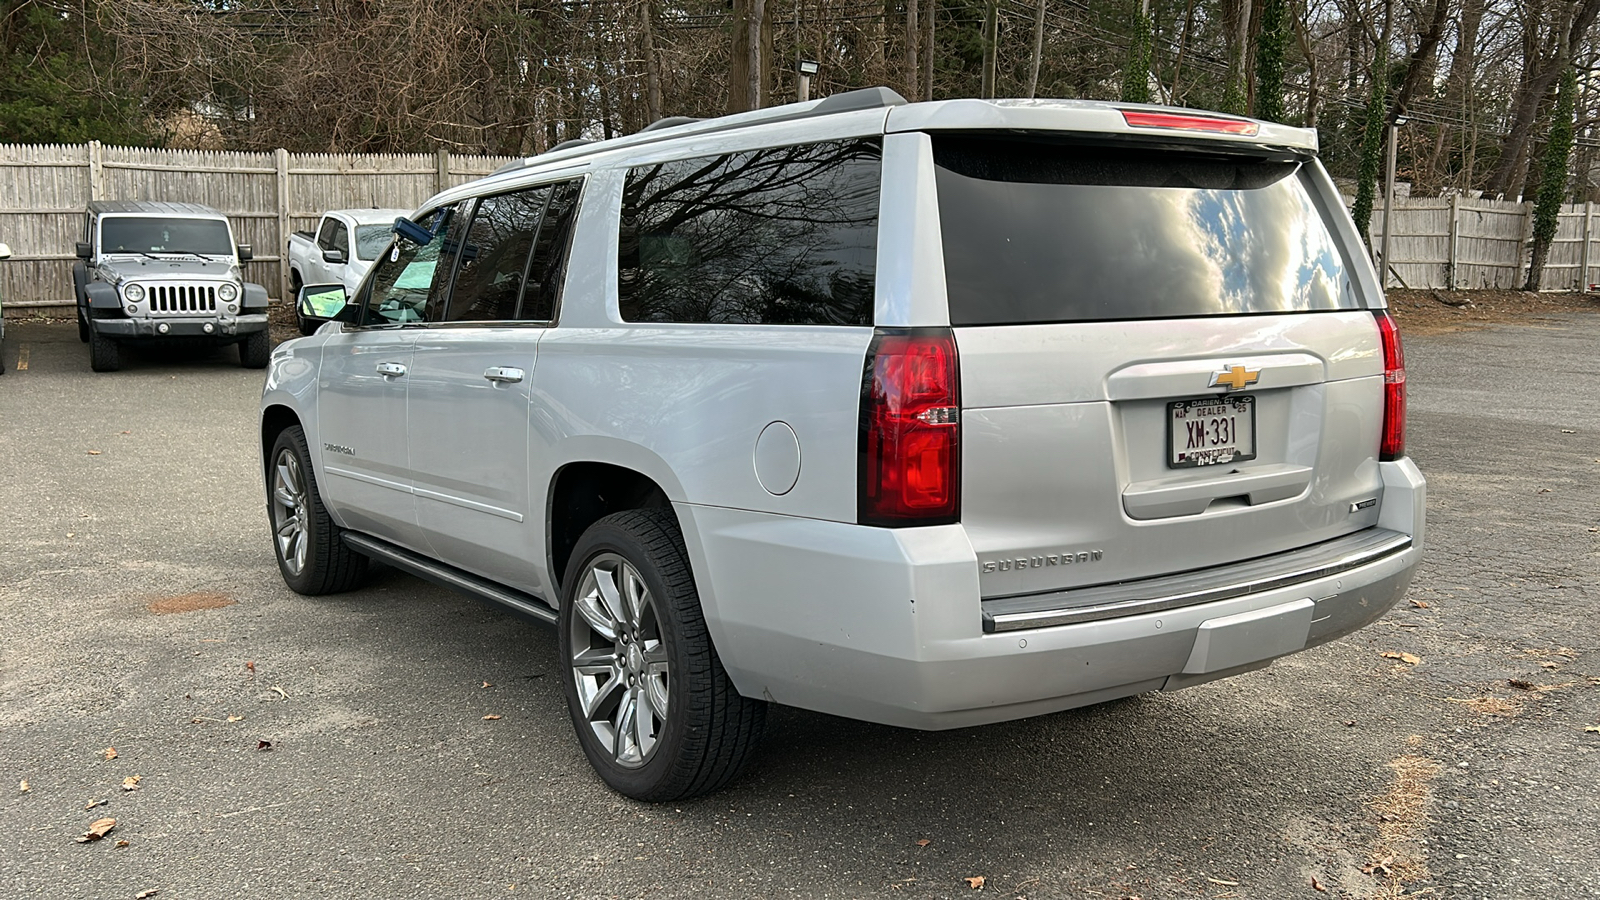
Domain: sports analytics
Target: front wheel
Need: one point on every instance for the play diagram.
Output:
(655, 712)
(255, 350)
(104, 354)
(311, 554)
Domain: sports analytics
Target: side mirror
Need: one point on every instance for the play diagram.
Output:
(412, 232)
(5, 251)
(325, 303)
(85, 251)
(245, 253)
(333, 256)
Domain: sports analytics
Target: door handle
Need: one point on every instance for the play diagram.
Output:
(391, 369)
(503, 374)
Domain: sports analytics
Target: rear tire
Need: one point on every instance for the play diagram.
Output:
(311, 553)
(255, 350)
(655, 711)
(104, 354)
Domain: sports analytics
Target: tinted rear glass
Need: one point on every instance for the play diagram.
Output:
(1048, 232)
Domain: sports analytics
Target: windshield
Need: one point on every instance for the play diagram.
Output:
(1039, 231)
(371, 240)
(159, 234)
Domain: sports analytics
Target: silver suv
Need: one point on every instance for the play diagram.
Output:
(932, 415)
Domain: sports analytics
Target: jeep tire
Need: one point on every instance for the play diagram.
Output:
(255, 350)
(104, 354)
(655, 712)
(83, 326)
(310, 550)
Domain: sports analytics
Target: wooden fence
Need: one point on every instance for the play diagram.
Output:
(1459, 243)
(44, 190)
(1452, 243)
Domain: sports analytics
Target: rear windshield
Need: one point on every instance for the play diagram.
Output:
(1037, 231)
(159, 234)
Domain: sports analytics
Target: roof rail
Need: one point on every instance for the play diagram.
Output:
(849, 101)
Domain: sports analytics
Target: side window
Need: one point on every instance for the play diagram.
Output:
(341, 239)
(450, 236)
(494, 255)
(325, 234)
(396, 290)
(547, 269)
(786, 236)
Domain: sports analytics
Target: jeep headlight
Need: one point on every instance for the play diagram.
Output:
(133, 293)
(228, 293)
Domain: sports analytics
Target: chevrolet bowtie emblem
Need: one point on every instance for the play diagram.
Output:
(1235, 378)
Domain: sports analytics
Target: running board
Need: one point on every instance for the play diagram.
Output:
(450, 577)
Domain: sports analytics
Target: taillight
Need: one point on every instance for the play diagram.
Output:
(910, 444)
(1393, 445)
(1189, 122)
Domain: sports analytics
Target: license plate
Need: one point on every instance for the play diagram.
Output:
(1211, 431)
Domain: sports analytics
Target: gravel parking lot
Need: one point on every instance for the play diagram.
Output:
(405, 741)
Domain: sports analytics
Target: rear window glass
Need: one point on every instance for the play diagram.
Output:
(786, 236)
(1048, 232)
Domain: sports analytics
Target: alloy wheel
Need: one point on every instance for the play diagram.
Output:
(619, 661)
(289, 511)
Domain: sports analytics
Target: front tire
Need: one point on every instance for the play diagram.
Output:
(104, 354)
(255, 350)
(312, 556)
(655, 712)
(83, 327)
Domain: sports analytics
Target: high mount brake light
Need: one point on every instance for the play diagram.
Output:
(1184, 122)
(909, 468)
(1393, 443)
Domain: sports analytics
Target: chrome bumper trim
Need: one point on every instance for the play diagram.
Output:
(1093, 604)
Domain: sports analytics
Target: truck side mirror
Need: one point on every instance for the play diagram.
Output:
(336, 257)
(245, 253)
(85, 251)
(320, 303)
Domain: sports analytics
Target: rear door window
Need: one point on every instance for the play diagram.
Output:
(784, 236)
(1041, 231)
(489, 280)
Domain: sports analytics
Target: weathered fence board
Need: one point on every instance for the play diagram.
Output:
(44, 189)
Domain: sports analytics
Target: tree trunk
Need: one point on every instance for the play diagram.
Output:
(913, 36)
(991, 47)
(758, 12)
(928, 14)
(1038, 49)
(1514, 149)
(652, 63)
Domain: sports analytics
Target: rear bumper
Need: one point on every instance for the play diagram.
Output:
(886, 625)
(234, 326)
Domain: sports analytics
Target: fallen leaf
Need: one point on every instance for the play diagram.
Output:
(96, 831)
(93, 803)
(1546, 491)
(920, 843)
(1420, 604)
(1592, 729)
(23, 787)
(131, 783)
(145, 895)
(487, 684)
(1569, 431)
(492, 717)
(1407, 658)
(127, 432)
(1221, 882)
(121, 844)
(236, 718)
(1350, 723)
(281, 692)
(94, 452)
(975, 882)
(110, 753)
(1317, 885)
(263, 745)
(250, 666)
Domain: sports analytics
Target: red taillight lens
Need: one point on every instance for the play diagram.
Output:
(910, 443)
(1184, 122)
(1393, 445)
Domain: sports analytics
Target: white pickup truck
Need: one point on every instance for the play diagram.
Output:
(329, 255)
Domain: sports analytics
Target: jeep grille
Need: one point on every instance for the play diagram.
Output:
(182, 299)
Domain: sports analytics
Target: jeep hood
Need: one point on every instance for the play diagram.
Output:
(139, 267)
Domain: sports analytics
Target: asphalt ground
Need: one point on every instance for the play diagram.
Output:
(129, 502)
